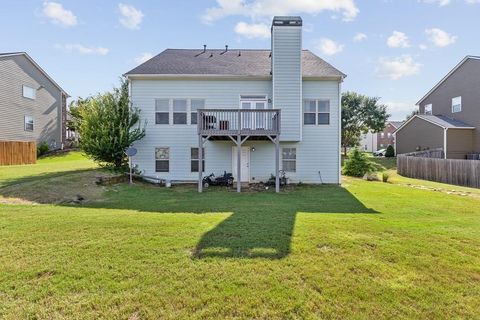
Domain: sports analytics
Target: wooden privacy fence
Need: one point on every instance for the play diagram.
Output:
(452, 171)
(17, 152)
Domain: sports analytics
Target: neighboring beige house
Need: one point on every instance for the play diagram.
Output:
(449, 116)
(32, 104)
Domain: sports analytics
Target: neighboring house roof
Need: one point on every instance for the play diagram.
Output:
(234, 62)
(10, 54)
(441, 121)
(447, 76)
(396, 124)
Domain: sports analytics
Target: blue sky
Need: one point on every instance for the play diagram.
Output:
(394, 49)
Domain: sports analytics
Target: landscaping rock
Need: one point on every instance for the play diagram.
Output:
(371, 177)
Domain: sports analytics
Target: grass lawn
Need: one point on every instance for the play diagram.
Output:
(364, 250)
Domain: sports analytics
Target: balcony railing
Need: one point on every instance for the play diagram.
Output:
(253, 122)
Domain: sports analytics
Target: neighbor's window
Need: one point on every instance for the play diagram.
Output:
(28, 123)
(162, 111)
(195, 105)
(316, 112)
(382, 134)
(162, 159)
(194, 160)
(29, 92)
(289, 159)
(456, 104)
(428, 109)
(179, 111)
(389, 134)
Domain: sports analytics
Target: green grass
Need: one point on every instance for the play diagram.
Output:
(368, 250)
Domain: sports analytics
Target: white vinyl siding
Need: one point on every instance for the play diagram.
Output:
(456, 104)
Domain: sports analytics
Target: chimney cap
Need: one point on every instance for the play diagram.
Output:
(287, 21)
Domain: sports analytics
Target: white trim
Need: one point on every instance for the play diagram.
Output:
(446, 77)
(196, 76)
(37, 66)
(248, 164)
(340, 132)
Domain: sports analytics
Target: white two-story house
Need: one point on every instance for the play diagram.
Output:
(248, 112)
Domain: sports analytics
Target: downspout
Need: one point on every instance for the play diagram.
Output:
(445, 143)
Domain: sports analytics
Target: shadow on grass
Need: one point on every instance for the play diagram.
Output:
(5, 183)
(259, 225)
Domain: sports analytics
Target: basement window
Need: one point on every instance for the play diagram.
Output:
(456, 104)
(194, 160)
(162, 159)
(289, 159)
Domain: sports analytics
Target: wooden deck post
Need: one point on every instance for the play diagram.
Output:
(239, 165)
(277, 164)
(200, 163)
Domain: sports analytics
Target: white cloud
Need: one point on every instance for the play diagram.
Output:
(57, 14)
(130, 17)
(472, 1)
(398, 67)
(423, 47)
(328, 47)
(143, 57)
(252, 30)
(267, 8)
(441, 3)
(399, 109)
(81, 49)
(359, 37)
(439, 37)
(398, 40)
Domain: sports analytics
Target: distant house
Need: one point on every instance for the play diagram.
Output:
(372, 142)
(32, 104)
(449, 115)
(255, 112)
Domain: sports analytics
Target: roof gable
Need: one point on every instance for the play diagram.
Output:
(440, 121)
(11, 54)
(448, 76)
(234, 62)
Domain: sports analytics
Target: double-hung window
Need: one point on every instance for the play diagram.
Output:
(29, 92)
(28, 123)
(428, 109)
(162, 159)
(162, 111)
(289, 159)
(316, 112)
(194, 106)
(456, 104)
(179, 111)
(194, 160)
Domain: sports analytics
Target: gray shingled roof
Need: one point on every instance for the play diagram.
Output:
(396, 124)
(235, 62)
(445, 122)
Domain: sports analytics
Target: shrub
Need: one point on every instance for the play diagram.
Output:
(42, 149)
(385, 176)
(390, 152)
(358, 164)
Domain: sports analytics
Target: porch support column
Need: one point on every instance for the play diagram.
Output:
(445, 135)
(277, 164)
(200, 163)
(239, 159)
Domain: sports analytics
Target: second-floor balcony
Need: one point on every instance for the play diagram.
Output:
(246, 122)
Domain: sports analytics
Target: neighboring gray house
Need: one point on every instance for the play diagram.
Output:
(32, 104)
(449, 115)
(254, 111)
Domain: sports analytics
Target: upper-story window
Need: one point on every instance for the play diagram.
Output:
(29, 92)
(28, 121)
(428, 109)
(316, 112)
(194, 106)
(456, 104)
(179, 111)
(162, 111)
